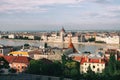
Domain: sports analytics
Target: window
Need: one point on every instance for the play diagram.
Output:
(81, 67)
(93, 66)
(1, 51)
(98, 69)
(18, 66)
(22, 67)
(97, 64)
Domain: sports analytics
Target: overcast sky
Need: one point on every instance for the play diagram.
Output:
(53, 14)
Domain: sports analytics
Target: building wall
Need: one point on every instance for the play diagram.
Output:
(19, 53)
(5, 51)
(96, 67)
(112, 40)
(11, 36)
(37, 56)
(19, 66)
(44, 38)
(109, 39)
(31, 37)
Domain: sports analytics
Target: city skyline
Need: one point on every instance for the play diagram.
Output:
(53, 14)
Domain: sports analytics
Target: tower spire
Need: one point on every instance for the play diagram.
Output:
(71, 46)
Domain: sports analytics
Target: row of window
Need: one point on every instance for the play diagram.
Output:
(97, 64)
(98, 69)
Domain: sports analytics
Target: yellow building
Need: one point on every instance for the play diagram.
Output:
(19, 53)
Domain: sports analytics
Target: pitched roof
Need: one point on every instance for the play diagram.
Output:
(35, 52)
(90, 60)
(19, 52)
(21, 59)
(72, 46)
(17, 59)
(9, 59)
(46, 61)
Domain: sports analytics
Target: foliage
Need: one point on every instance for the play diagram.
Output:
(37, 38)
(12, 70)
(69, 68)
(3, 63)
(89, 71)
(45, 45)
(111, 67)
(91, 39)
(26, 45)
(45, 68)
(54, 68)
(6, 37)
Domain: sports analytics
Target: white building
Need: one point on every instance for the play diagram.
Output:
(60, 37)
(31, 37)
(109, 39)
(95, 61)
(96, 67)
(11, 36)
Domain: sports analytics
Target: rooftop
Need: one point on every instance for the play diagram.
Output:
(17, 59)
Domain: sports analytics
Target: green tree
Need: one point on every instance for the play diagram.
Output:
(71, 69)
(90, 75)
(37, 38)
(34, 67)
(45, 67)
(45, 45)
(112, 64)
(3, 63)
(89, 71)
(12, 70)
(91, 39)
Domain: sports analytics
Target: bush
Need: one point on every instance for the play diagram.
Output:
(12, 70)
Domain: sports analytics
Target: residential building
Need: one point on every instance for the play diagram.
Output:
(5, 49)
(116, 52)
(20, 53)
(95, 61)
(20, 63)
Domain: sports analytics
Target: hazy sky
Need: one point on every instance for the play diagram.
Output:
(53, 14)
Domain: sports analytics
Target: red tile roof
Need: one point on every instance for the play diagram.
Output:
(10, 59)
(21, 59)
(94, 60)
(85, 59)
(17, 59)
(72, 46)
(77, 58)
